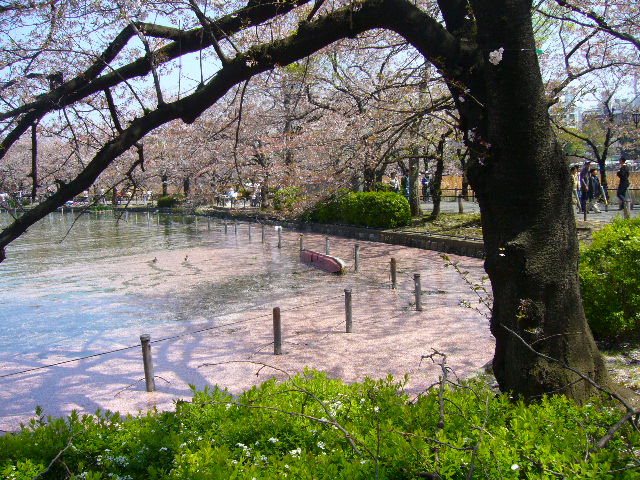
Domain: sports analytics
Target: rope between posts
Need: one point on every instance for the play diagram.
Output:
(68, 361)
(164, 339)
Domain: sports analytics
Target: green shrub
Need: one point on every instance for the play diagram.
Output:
(382, 187)
(279, 430)
(369, 209)
(169, 201)
(286, 199)
(610, 279)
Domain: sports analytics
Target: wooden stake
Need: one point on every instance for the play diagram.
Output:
(145, 342)
(348, 310)
(394, 281)
(277, 332)
(416, 280)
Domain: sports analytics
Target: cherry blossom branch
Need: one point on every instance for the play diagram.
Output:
(600, 22)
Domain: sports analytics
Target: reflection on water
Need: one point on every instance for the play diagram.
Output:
(78, 290)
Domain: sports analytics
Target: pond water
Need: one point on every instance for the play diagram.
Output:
(206, 297)
(76, 288)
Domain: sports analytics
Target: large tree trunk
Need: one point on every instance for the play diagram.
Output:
(524, 191)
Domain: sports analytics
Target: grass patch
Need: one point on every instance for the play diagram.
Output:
(459, 224)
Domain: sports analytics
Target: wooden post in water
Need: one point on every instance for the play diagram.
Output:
(348, 310)
(235, 228)
(225, 226)
(263, 233)
(279, 236)
(148, 219)
(356, 258)
(460, 205)
(208, 223)
(394, 280)
(327, 246)
(301, 242)
(249, 232)
(145, 342)
(277, 332)
(196, 217)
(416, 280)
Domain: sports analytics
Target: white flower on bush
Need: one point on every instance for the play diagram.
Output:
(334, 407)
(273, 440)
(515, 467)
(321, 445)
(120, 460)
(296, 452)
(495, 57)
(247, 450)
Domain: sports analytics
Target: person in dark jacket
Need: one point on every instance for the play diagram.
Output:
(593, 190)
(425, 186)
(623, 182)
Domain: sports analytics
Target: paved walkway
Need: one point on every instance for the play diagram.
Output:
(472, 207)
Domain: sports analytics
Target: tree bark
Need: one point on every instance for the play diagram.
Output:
(414, 186)
(34, 163)
(164, 178)
(523, 185)
(436, 180)
(463, 166)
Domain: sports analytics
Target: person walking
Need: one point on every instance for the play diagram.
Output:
(584, 184)
(394, 183)
(623, 182)
(425, 186)
(594, 190)
(575, 175)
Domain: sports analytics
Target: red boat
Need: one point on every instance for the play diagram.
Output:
(323, 262)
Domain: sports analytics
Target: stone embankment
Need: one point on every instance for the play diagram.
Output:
(456, 245)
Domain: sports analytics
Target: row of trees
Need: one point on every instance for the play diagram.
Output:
(294, 92)
(337, 119)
